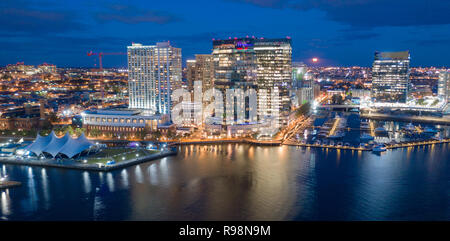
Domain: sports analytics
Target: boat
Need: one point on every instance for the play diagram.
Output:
(409, 127)
(430, 130)
(379, 148)
(380, 129)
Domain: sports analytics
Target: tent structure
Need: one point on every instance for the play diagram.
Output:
(39, 144)
(75, 146)
(54, 145)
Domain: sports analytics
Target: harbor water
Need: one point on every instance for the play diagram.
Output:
(242, 182)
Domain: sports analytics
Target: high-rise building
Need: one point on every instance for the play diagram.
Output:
(444, 85)
(262, 64)
(299, 79)
(190, 73)
(201, 69)
(154, 71)
(274, 74)
(390, 77)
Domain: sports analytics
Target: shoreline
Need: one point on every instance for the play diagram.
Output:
(89, 167)
(136, 161)
(9, 184)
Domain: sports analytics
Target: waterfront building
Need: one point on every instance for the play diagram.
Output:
(262, 64)
(303, 95)
(390, 77)
(238, 130)
(299, 79)
(444, 85)
(274, 74)
(154, 71)
(121, 123)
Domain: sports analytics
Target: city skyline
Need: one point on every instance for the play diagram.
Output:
(64, 32)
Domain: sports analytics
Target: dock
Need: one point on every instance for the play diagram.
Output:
(388, 146)
(9, 184)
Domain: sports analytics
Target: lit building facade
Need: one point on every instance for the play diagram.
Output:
(262, 64)
(299, 79)
(390, 77)
(444, 85)
(154, 71)
(200, 69)
(120, 123)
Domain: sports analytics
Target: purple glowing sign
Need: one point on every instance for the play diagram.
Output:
(243, 45)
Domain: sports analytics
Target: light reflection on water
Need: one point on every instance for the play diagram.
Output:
(243, 182)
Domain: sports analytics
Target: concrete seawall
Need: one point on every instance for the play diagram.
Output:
(90, 167)
(246, 141)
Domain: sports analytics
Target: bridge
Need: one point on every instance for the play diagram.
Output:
(338, 107)
(404, 118)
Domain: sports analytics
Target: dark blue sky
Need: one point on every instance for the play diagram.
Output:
(339, 32)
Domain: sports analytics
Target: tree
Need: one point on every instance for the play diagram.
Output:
(304, 109)
(337, 99)
(94, 133)
(53, 117)
(157, 134)
(79, 131)
(170, 134)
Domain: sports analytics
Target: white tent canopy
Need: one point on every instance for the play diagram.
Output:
(75, 146)
(39, 144)
(53, 145)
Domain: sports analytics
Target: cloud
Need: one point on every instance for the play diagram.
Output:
(132, 15)
(265, 3)
(23, 17)
(370, 13)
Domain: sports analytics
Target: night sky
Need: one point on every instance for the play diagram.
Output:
(339, 32)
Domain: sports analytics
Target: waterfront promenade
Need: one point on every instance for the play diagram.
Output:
(388, 146)
(71, 164)
(406, 118)
(225, 141)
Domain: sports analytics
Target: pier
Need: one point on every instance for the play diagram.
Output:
(415, 119)
(9, 184)
(88, 167)
(388, 146)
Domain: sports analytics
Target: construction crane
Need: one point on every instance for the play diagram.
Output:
(100, 56)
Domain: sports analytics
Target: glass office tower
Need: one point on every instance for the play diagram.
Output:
(262, 64)
(390, 77)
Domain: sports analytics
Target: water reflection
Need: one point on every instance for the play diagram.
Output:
(45, 188)
(86, 182)
(33, 198)
(5, 203)
(243, 182)
(124, 176)
(110, 182)
(153, 174)
(138, 174)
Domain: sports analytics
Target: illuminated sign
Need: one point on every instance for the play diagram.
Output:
(241, 45)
